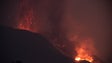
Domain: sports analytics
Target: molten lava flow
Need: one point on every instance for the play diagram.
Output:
(83, 55)
(84, 52)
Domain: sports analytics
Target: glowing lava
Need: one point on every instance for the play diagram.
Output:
(26, 21)
(83, 55)
(84, 52)
(25, 16)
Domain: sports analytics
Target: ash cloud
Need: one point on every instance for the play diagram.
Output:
(59, 20)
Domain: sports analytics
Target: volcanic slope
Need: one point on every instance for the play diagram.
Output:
(20, 46)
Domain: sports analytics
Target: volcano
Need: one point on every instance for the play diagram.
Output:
(20, 46)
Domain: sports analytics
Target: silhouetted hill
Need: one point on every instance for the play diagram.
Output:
(27, 47)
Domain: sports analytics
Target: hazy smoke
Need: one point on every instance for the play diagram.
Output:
(85, 18)
(64, 21)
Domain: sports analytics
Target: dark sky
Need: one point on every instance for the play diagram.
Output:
(62, 19)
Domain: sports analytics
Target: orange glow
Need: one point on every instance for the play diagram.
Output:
(25, 16)
(26, 21)
(77, 58)
(83, 55)
(84, 52)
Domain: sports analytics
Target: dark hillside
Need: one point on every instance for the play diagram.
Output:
(27, 47)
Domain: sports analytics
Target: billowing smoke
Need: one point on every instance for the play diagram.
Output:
(85, 19)
(66, 23)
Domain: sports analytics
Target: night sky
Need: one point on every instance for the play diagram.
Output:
(61, 20)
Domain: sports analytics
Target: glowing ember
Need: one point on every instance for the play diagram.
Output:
(83, 55)
(25, 16)
(26, 21)
(77, 59)
(84, 52)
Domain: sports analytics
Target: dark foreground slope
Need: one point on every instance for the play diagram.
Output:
(27, 47)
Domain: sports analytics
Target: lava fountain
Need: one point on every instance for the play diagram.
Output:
(26, 21)
(82, 54)
(85, 51)
(25, 16)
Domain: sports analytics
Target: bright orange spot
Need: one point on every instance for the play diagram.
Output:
(84, 52)
(77, 59)
(83, 55)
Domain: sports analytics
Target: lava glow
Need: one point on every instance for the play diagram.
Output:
(84, 53)
(26, 21)
(25, 16)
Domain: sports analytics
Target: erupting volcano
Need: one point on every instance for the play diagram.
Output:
(25, 16)
(84, 51)
(26, 21)
(83, 55)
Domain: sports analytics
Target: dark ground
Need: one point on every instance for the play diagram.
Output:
(18, 46)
